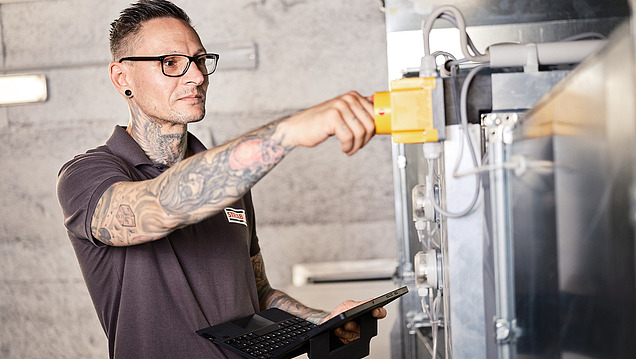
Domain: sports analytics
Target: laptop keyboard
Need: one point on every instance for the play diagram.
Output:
(261, 345)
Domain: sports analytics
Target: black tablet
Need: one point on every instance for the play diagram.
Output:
(359, 310)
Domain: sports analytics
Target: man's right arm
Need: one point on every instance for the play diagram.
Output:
(130, 213)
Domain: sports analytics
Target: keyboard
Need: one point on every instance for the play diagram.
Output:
(260, 344)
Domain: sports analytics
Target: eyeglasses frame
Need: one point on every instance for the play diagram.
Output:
(162, 57)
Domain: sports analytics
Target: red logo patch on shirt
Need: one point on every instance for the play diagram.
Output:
(236, 216)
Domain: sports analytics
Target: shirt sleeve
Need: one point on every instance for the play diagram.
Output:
(81, 183)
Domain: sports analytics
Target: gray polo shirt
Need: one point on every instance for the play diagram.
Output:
(151, 298)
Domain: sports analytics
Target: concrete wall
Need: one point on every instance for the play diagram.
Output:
(318, 205)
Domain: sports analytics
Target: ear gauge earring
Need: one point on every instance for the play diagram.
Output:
(128, 93)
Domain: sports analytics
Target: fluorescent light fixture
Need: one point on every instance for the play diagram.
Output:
(17, 89)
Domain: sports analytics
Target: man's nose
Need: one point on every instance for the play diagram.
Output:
(194, 74)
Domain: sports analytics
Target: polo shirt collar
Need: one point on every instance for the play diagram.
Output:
(124, 146)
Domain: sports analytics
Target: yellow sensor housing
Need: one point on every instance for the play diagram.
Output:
(406, 112)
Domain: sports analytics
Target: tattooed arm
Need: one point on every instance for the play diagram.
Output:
(130, 213)
(272, 298)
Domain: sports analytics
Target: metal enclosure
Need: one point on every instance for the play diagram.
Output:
(543, 265)
(575, 288)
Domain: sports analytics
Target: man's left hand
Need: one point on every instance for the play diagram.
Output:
(351, 331)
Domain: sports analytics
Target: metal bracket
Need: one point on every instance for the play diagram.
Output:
(506, 331)
(499, 126)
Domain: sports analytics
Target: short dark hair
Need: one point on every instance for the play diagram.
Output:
(132, 18)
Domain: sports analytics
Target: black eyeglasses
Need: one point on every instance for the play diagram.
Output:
(178, 65)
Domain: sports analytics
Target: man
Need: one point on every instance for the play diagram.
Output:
(163, 228)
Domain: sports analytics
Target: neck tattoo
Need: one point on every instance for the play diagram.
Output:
(161, 148)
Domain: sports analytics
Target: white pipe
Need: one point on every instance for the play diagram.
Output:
(549, 53)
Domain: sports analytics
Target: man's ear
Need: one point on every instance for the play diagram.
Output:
(118, 75)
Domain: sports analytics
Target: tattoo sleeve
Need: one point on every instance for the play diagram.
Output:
(131, 213)
(272, 298)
